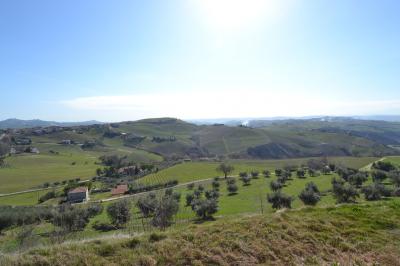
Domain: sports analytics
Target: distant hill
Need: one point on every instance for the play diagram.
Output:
(292, 138)
(18, 123)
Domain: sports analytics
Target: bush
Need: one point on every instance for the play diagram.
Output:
(47, 196)
(266, 173)
(215, 184)
(147, 204)
(243, 174)
(205, 208)
(310, 195)
(155, 237)
(166, 208)
(278, 172)
(384, 166)
(132, 243)
(212, 194)
(275, 185)
(301, 173)
(143, 188)
(395, 178)
(71, 218)
(345, 172)
(313, 173)
(119, 212)
(189, 199)
(376, 191)
(279, 200)
(103, 227)
(344, 192)
(95, 209)
(232, 189)
(255, 174)
(190, 186)
(358, 179)
(378, 175)
(246, 180)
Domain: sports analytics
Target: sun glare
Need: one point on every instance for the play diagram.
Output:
(237, 14)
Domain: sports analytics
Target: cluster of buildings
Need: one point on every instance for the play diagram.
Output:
(81, 194)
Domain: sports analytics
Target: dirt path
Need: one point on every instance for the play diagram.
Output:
(369, 166)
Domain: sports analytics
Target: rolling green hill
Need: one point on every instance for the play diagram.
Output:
(171, 138)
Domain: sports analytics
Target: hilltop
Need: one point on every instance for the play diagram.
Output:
(18, 123)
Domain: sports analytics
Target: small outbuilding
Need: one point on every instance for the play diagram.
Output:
(119, 190)
(79, 194)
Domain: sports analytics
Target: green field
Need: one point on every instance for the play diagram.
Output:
(393, 159)
(191, 171)
(29, 171)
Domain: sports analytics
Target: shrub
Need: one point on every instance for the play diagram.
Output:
(275, 185)
(243, 174)
(212, 194)
(378, 175)
(310, 195)
(266, 173)
(215, 184)
(166, 208)
(132, 243)
(278, 172)
(147, 204)
(255, 174)
(376, 191)
(395, 178)
(189, 199)
(232, 189)
(384, 166)
(94, 209)
(190, 186)
(358, 179)
(301, 173)
(279, 200)
(47, 196)
(155, 237)
(205, 208)
(312, 172)
(103, 227)
(119, 212)
(246, 180)
(344, 192)
(71, 218)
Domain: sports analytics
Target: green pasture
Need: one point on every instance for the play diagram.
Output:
(192, 171)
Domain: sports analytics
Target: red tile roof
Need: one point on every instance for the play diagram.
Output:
(120, 189)
(78, 190)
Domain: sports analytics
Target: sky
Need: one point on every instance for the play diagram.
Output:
(194, 59)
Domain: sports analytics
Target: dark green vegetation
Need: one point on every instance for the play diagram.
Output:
(363, 234)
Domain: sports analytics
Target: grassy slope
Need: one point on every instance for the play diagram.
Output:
(28, 171)
(185, 172)
(349, 234)
(192, 171)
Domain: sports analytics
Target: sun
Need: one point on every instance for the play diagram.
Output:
(231, 15)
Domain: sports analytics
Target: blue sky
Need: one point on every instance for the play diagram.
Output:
(125, 60)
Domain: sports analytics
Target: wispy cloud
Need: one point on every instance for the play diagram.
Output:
(214, 104)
